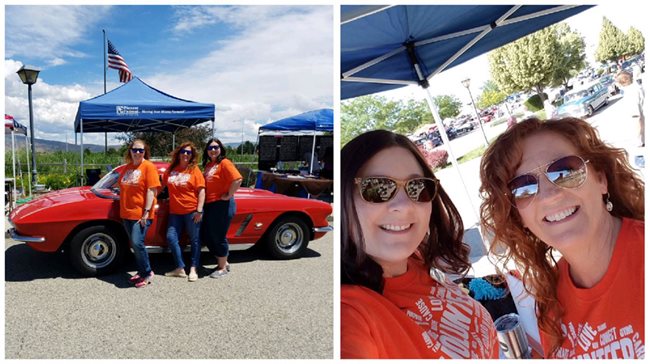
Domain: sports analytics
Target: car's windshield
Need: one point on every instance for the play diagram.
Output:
(108, 181)
(575, 95)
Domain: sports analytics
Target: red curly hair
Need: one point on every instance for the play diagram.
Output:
(176, 156)
(498, 217)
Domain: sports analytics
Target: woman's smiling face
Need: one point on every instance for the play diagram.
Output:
(394, 229)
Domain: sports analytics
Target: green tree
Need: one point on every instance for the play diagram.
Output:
(490, 95)
(366, 113)
(635, 41)
(411, 115)
(571, 55)
(448, 106)
(612, 43)
(529, 63)
(161, 144)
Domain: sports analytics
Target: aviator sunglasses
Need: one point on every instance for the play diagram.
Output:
(137, 150)
(566, 172)
(186, 152)
(383, 189)
(213, 147)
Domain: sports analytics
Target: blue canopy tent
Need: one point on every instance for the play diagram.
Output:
(388, 47)
(136, 106)
(313, 123)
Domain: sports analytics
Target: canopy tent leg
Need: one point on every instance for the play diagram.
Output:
(81, 139)
(447, 144)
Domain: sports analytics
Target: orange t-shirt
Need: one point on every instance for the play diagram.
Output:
(416, 317)
(218, 178)
(606, 320)
(134, 183)
(183, 186)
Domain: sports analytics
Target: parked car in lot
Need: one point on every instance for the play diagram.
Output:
(609, 82)
(583, 102)
(84, 222)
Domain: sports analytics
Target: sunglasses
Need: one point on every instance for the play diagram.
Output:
(137, 150)
(566, 172)
(186, 152)
(213, 147)
(383, 189)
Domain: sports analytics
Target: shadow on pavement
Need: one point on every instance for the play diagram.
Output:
(23, 264)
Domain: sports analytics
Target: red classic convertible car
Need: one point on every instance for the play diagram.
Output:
(85, 223)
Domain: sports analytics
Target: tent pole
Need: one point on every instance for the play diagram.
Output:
(173, 140)
(445, 138)
(313, 149)
(81, 139)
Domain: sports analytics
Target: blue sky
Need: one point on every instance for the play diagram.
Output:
(257, 64)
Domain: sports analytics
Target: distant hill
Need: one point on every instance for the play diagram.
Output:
(44, 145)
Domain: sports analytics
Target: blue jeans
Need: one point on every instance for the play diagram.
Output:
(218, 215)
(136, 234)
(176, 225)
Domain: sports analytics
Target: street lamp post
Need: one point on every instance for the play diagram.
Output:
(465, 83)
(29, 77)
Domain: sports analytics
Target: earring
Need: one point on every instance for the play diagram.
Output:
(608, 204)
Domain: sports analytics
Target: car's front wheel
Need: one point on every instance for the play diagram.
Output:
(288, 238)
(590, 110)
(96, 250)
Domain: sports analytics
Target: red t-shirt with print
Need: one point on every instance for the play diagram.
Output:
(134, 183)
(183, 185)
(606, 320)
(416, 317)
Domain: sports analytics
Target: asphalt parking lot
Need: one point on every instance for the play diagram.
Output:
(263, 309)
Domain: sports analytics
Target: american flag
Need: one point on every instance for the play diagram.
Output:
(12, 124)
(116, 61)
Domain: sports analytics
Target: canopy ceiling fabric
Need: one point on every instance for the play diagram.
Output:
(312, 122)
(136, 106)
(381, 44)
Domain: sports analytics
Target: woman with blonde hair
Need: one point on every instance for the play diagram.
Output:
(554, 187)
(186, 187)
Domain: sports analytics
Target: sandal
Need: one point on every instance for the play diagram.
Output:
(144, 281)
(136, 278)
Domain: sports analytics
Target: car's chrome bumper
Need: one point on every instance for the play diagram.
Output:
(325, 229)
(27, 239)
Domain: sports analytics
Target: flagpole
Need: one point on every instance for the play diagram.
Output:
(103, 31)
(105, 133)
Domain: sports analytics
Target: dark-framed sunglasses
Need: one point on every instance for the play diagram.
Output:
(383, 189)
(137, 150)
(186, 152)
(566, 172)
(213, 147)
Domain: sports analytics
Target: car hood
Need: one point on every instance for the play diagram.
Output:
(53, 199)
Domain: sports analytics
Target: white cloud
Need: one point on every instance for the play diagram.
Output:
(280, 65)
(50, 29)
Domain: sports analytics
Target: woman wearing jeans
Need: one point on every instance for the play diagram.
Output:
(186, 188)
(222, 180)
(138, 183)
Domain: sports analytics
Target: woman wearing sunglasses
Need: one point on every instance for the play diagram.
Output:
(555, 186)
(138, 183)
(399, 231)
(186, 187)
(222, 179)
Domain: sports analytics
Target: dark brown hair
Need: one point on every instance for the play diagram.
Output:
(176, 153)
(532, 256)
(443, 248)
(222, 152)
(127, 155)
